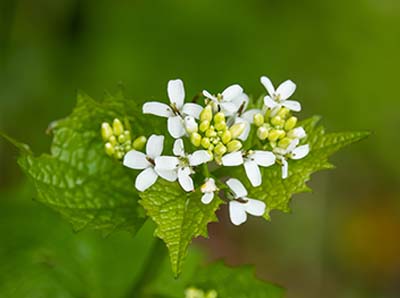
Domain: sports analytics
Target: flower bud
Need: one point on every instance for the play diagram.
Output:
(284, 143)
(211, 154)
(267, 115)
(297, 133)
(127, 147)
(220, 149)
(234, 145)
(283, 112)
(204, 125)
(109, 149)
(210, 132)
(237, 129)
(262, 133)
(139, 143)
(219, 117)
(106, 131)
(205, 143)
(215, 141)
(220, 125)
(211, 147)
(195, 139)
(282, 133)
(226, 137)
(122, 138)
(273, 135)
(113, 140)
(190, 124)
(290, 123)
(206, 114)
(119, 154)
(277, 121)
(118, 128)
(211, 294)
(258, 119)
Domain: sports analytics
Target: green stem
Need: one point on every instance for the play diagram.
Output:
(151, 267)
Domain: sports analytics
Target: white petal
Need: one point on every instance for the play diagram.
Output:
(253, 172)
(184, 179)
(285, 169)
(176, 92)
(209, 95)
(136, 160)
(154, 146)
(192, 109)
(232, 159)
(240, 100)
(176, 127)
(237, 213)
(254, 207)
(286, 89)
(292, 105)
(269, 102)
(198, 157)
(246, 131)
(208, 186)
(263, 158)
(300, 152)
(179, 148)
(268, 85)
(169, 175)
(237, 187)
(157, 108)
(232, 92)
(228, 108)
(293, 144)
(299, 132)
(145, 179)
(190, 124)
(249, 115)
(166, 162)
(207, 197)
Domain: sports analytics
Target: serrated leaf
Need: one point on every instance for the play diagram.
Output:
(180, 217)
(77, 179)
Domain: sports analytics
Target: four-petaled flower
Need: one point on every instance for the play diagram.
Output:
(278, 98)
(208, 189)
(230, 100)
(251, 161)
(139, 161)
(182, 164)
(241, 204)
(293, 151)
(176, 110)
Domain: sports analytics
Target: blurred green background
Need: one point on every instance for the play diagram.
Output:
(340, 241)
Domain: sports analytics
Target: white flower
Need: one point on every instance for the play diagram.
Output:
(292, 152)
(181, 164)
(230, 100)
(139, 161)
(251, 161)
(176, 110)
(242, 205)
(247, 118)
(208, 189)
(278, 97)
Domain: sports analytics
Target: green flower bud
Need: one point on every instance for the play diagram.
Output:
(109, 149)
(127, 147)
(211, 294)
(219, 117)
(220, 125)
(205, 143)
(284, 143)
(258, 119)
(195, 139)
(234, 145)
(267, 115)
(262, 133)
(211, 147)
(127, 134)
(282, 133)
(210, 132)
(277, 121)
(220, 149)
(139, 143)
(226, 137)
(113, 140)
(283, 112)
(204, 125)
(273, 135)
(106, 131)
(122, 138)
(290, 123)
(119, 154)
(215, 141)
(237, 129)
(118, 128)
(206, 114)
(211, 154)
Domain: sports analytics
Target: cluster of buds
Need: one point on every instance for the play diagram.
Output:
(193, 292)
(118, 140)
(214, 134)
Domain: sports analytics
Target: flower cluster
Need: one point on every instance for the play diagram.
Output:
(222, 132)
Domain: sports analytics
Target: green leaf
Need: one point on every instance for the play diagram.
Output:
(40, 257)
(228, 282)
(180, 217)
(78, 179)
